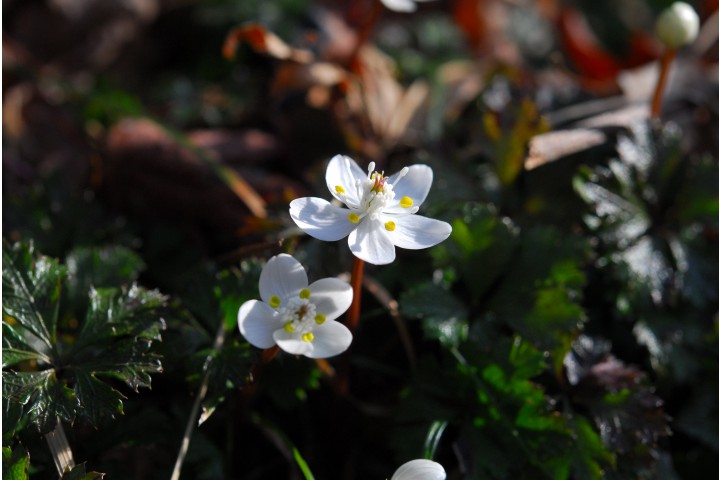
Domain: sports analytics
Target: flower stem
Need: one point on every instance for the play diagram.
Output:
(356, 277)
(665, 63)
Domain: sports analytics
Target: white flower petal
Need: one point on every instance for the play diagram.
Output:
(330, 339)
(420, 470)
(282, 276)
(415, 184)
(292, 342)
(332, 297)
(371, 242)
(415, 231)
(319, 219)
(257, 322)
(343, 171)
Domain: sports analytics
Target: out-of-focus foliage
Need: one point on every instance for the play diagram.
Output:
(567, 329)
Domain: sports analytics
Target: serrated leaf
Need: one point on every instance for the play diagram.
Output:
(98, 400)
(113, 342)
(31, 291)
(114, 313)
(44, 398)
(15, 463)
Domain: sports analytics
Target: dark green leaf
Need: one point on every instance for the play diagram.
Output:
(43, 397)
(98, 400)
(111, 266)
(444, 317)
(12, 356)
(31, 292)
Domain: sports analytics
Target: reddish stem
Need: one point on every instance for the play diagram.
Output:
(356, 276)
(665, 63)
(268, 354)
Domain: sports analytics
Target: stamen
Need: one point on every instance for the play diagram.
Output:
(406, 202)
(319, 318)
(390, 226)
(289, 327)
(371, 167)
(353, 217)
(414, 209)
(305, 293)
(308, 337)
(339, 189)
(274, 301)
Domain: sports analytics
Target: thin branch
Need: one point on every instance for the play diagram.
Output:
(381, 294)
(202, 391)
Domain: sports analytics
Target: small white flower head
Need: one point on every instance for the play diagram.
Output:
(420, 470)
(401, 5)
(297, 317)
(380, 213)
(678, 25)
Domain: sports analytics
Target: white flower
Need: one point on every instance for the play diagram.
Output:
(380, 214)
(420, 470)
(401, 5)
(299, 318)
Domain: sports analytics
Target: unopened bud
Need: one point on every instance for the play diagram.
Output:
(677, 25)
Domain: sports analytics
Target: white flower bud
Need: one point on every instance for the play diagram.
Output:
(678, 25)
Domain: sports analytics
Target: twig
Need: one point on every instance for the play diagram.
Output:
(202, 391)
(383, 296)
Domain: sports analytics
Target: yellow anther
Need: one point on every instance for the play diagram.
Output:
(353, 217)
(319, 318)
(390, 226)
(406, 202)
(305, 293)
(289, 327)
(274, 301)
(339, 189)
(308, 337)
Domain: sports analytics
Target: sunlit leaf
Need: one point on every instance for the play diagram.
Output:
(15, 463)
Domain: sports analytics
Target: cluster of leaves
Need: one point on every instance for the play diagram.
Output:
(58, 368)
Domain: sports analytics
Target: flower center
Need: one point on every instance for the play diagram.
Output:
(299, 315)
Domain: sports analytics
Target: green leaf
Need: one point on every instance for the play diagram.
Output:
(44, 398)
(112, 342)
(31, 292)
(98, 400)
(444, 317)
(115, 313)
(302, 464)
(13, 356)
(481, 246)
(110, 266)
(79, 472)
(15, 463)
